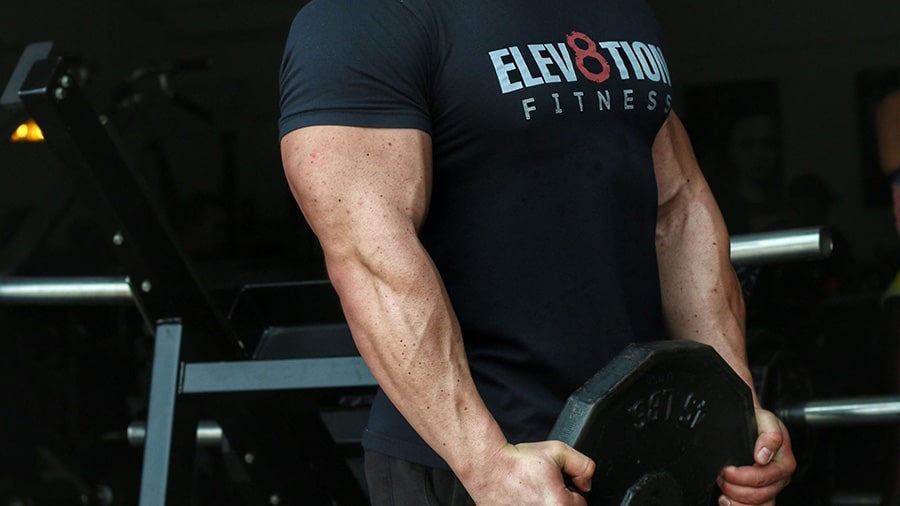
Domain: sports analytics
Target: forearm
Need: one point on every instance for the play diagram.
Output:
(701, 296)
(405, 329)
(364, 193)
(702, 299)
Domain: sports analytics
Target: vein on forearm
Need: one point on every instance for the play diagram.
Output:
(404, 326)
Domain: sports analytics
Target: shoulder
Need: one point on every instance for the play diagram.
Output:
(341, 31)
(360, 63)
(351, 18)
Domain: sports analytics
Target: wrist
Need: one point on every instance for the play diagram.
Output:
(481, 473)
(483, 453)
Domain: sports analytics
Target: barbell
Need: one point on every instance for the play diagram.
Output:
(813, 243)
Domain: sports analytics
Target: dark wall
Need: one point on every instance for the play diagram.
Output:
(214, 146)
(812, 52)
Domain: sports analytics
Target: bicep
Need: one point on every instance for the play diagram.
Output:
(356, 184)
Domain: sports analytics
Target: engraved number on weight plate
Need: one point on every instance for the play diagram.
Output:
(664, 406)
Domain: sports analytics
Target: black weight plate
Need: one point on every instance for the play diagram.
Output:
(653, 490)
(667, 407)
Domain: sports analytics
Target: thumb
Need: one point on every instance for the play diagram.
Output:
(770, 436)
(575, 464)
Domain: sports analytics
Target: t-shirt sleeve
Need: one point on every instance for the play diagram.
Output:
(355, 63)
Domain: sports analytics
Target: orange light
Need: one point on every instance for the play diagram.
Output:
(27, 132)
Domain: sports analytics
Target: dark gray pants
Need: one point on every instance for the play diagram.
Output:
(396, 482)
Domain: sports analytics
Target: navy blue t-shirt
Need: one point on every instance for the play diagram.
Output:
(543, 209)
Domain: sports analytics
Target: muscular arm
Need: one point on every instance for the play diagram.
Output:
(702, 299)
(365, 194)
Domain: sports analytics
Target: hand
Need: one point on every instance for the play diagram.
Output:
(758, 484)
(532, 474)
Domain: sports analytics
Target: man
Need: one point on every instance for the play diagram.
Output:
(491, 184)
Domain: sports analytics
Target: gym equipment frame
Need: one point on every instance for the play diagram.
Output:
(196, 349)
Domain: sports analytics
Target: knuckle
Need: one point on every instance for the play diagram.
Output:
(761, 495)
(792, 466)
(555, 447)
(759, 481)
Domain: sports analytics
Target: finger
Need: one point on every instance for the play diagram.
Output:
(575, 464)
(738, 494)
(757, 476)
(725, 501)
(771, 436)
(576, 499)
(770, 469)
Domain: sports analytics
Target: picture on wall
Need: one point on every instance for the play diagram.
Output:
(735, 128)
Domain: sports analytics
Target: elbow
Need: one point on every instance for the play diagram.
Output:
(357, 260)
(673, 219)
(345, 264)
(692, 216)
(670, 221)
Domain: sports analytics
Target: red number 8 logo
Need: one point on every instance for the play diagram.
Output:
(588, 52)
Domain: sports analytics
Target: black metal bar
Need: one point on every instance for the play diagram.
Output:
(288, 374)
(167, 471)
(32, 53)
(857, 498)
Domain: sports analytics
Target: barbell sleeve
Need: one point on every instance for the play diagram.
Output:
(843, 412)
(66, 290)
(813, 243)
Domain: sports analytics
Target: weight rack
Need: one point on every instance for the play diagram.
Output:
(201, 365)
